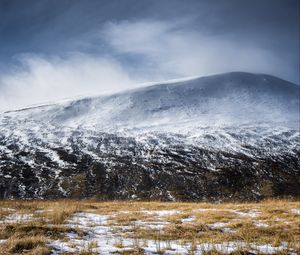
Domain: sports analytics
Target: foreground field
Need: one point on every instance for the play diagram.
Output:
(88, 227)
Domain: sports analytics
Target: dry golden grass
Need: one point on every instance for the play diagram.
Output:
(34, 244)
(133, 251)
(4, 212)
(129, 206)
(32, 236)
(127, 218)
(283, 226)
(35, 228)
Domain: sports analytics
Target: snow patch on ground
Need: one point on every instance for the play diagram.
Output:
(261, 224)
(16, 218)
(295, 211)
(188, 219)
(87, 219)
(252, 214)
(221, 226)
(161, 212)
(2, 241)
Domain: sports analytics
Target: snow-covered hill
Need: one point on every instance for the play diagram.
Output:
(213, 100)
(193, 139)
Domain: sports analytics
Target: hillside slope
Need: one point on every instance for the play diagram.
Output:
(233, 135)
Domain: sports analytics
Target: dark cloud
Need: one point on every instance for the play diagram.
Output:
(210, 36)
(34, 25)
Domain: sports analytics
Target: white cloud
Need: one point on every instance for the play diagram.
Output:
(179, 52)
(39, 79)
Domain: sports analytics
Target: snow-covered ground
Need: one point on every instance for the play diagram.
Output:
(104, 234)
(104, 239)
(16, 217)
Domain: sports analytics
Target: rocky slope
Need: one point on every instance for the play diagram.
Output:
(227, 136)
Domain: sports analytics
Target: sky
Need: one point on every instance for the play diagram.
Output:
(56, 49)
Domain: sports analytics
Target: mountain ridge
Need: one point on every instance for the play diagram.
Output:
(191, 140)
(203, 97)
(149, 85)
